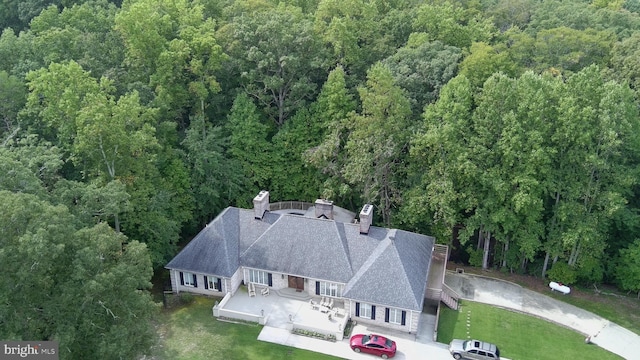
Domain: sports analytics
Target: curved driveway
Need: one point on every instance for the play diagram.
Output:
(604, 333)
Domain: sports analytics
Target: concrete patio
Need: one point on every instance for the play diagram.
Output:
(284, 309)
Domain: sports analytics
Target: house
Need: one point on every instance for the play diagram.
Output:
(379, 274)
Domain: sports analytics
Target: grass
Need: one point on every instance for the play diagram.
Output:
(517, 335)
(190, 332)
(606, 302)
(622, 311)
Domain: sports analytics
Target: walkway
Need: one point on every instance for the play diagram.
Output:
(604, 333)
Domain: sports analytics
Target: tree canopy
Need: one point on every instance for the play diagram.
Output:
(508, 129)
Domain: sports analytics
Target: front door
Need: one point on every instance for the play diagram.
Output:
(296, 283)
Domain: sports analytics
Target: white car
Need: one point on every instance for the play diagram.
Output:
(473, 349)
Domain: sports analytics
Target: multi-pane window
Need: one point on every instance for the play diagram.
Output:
(395, 316)
(189, 279)
(365, 311)
(259, 277)
(212, 283)
(329, 289)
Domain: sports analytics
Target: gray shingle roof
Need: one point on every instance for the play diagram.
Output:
(216, 249)
(386, 266)
(395, 274)
(302, 246)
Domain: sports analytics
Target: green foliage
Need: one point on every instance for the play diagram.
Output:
(351, 29)
(215, 181)
(475, 256)
(377, 142)
(483, 61)
(291, 177)
(562, 272)
(83, 33)
(628, 269)
(422, 70)
(249, 145)
(332, 111)
(173, 49)
(452, 25)
(75, 285)
(278, 57)
(13, 96)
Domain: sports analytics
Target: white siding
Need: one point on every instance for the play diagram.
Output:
(411, 319)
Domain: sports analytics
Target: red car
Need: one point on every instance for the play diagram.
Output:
(373, 344)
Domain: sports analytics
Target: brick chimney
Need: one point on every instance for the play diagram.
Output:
(261, 204)
(366, 217)
(324, 207)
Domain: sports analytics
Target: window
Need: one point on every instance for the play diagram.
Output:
(395, 316)
(212, 283)
(329, 289)
(259, 277)
(188, 279)
(366, 311)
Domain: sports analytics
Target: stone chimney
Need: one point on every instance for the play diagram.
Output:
(261, 204)
(324, 207)
(366, 217)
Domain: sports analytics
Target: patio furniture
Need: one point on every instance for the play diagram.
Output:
(323, 302)
(314, 305)
(251, 288)
(330, 304)
(265, 291)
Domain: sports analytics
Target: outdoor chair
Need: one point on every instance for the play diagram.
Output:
(265, 291)
(251, 288)
(323, 301)
(330, 304)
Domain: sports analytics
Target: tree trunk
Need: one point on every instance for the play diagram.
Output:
(505, 249)
(546, 263)
(480, 238)
(485, 256)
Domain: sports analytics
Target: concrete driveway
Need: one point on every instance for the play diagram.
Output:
(408, 347)
(604, 333)
(495, 292)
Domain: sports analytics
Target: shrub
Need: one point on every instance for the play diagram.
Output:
(562, 272)
(186, 298)
(475, 256)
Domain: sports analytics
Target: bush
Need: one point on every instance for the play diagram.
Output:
(562, 272)
(475, 256)
(186, 298)
(348, 328)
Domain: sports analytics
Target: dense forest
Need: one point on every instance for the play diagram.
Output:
(507, 128)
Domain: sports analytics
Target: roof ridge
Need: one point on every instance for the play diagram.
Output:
(384, 243)
(343, 239)
(240, 255)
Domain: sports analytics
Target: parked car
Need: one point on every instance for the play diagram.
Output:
(373, 344)
(473, 349)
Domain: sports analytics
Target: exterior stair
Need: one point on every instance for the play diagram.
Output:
(293, 294)
(449, 297)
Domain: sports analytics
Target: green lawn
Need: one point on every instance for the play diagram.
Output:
(622, 311)
(190, 332)
(517, 335)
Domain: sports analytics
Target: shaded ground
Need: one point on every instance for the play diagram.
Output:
(604, 300)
